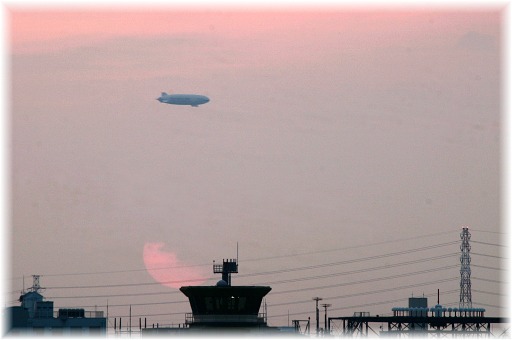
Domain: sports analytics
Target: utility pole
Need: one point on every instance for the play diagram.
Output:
(317, 314)
(325, 305)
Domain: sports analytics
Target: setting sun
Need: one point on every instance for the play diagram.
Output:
(165, 267)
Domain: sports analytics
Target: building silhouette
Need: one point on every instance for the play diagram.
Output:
(35, 316)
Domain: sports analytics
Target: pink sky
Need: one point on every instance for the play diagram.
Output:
(165, 267)
(31, 30)
(325, 129)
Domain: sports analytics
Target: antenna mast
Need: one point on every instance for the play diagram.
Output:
(465, 270)
(35, 284)
(227, 267)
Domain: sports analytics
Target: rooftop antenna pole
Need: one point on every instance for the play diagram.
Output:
(227, 267)
(317, 314)
(35, 283)
(465, 270)
(325, 305)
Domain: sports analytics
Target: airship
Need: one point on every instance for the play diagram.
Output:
(183, 99)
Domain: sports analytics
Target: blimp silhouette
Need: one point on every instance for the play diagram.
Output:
(183, 99)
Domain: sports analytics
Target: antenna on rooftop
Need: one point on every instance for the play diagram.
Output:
(35, 284)
(227, 267)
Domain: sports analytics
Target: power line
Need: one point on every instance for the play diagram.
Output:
(405, 252)
(369, 258)
(303, 278)
(332, 309)
(146, 315)
(365, 281)
(275, 282)
(299, 279)
(274, 305)
(280, 271)
(352, 247)
(493, 256)
(489, 293)
(112, 295)
(488, 231)
(358, 271)
(371, 292)
(364, 270)
(492, 306)
(348, 307)
(285, 281)
(137, 304)
(247, 260)
(312, 288)
(489, 244)
(131, 284)
(486, 267)
(127, 270)
(488, 280)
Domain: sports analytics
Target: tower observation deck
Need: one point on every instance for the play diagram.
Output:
(224, 305)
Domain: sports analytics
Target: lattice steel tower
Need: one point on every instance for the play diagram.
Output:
(465, 270)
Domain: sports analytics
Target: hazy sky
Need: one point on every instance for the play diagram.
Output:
(363, 132)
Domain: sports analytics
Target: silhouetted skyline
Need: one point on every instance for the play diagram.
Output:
(343, 149)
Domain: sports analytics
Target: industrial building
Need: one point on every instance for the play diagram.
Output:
(37, 317)
(224, 309)
(417, 320)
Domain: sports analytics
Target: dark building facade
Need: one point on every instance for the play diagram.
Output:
(223, 308)
(37, 317)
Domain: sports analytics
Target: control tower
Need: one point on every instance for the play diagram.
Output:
(224, 305)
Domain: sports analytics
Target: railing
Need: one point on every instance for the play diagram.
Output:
(361, 314)
(217, 268)
(87, 314)
(94, 314)
(256, 319)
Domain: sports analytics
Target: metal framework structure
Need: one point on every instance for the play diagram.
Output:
(464, 321)
(226, 268)
(465, 270)
(298, 328)
(36, 287)
(405, 326)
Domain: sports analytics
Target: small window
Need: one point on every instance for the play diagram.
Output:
(242, 302)
(208, 301)
(232, 303)
(219, 303)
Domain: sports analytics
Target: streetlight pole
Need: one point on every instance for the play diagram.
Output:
(317, 314)
(325, 305)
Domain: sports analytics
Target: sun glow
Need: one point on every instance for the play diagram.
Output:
(166, 268)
